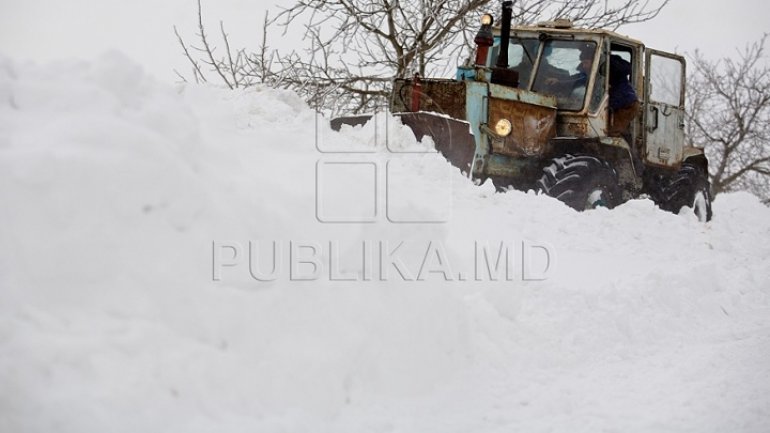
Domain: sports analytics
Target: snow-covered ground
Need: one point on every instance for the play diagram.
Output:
(127, 302)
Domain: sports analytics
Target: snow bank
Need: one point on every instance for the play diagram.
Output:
(124, 308)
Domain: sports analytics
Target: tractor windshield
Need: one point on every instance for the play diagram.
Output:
(564, 71)
(522, 53)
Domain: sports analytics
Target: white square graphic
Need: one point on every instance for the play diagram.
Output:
(418, 189)
(346, 191)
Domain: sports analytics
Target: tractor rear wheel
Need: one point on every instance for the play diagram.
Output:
(689, 187)
(581, 181)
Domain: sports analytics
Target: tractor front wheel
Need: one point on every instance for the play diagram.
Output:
(581, 181)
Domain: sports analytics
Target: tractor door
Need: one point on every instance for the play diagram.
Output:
(664, 83)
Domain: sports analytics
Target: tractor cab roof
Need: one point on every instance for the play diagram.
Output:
(562, 28)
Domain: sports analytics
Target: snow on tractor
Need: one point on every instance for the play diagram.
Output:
(587, 116)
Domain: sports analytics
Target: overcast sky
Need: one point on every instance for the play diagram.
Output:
(42, 30)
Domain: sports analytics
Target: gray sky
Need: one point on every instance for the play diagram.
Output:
(42, 30)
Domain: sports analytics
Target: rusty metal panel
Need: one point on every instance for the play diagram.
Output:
(579, 125)
(533, 126)
(575, 127)
(521, 95)
(435, 95)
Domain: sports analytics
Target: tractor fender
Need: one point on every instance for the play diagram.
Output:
(697, 157)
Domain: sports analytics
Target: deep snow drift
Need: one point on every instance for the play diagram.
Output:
(127, 301)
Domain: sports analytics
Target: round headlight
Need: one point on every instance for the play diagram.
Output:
(503, 127)
(486, 20)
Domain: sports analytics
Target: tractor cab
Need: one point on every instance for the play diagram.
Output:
(576, 67)
(571, 64)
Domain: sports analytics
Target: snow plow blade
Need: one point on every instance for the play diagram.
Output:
(452, 137)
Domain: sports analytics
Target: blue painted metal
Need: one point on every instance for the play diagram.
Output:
(476, 96)
(465, 73)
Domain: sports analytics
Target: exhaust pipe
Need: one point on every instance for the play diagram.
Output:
(505, 34)
(500, 73)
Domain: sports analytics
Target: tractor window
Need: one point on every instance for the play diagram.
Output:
(564, 72)
(521, 56)
(665, 80)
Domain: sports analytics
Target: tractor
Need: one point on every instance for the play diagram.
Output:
(534, 111)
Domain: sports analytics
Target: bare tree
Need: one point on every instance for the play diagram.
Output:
(729, 115)
(356, 47)
(235, 69)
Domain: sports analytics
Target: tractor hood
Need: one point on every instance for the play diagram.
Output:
(513, 122)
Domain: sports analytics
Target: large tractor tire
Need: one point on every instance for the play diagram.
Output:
(581, 181)
(689, 188)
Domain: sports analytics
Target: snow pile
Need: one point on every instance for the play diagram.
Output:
(127, 300)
